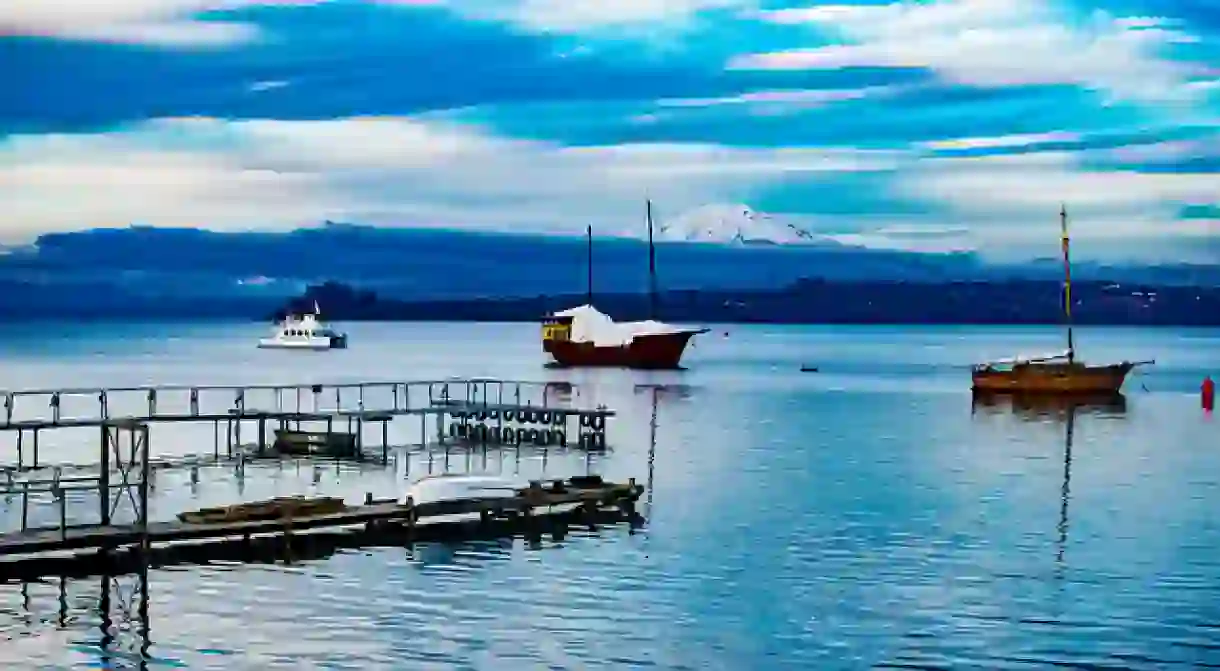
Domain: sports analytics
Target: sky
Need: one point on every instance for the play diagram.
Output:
(931, 126)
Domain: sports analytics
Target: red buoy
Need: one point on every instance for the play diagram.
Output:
(1207, 393)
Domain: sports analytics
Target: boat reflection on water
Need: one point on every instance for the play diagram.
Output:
(666, 391)
(1042, 406)
(558, 391)
(1065, 409)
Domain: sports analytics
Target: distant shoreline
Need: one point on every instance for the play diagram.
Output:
(808, 302)
(812, 302)
(248, 320)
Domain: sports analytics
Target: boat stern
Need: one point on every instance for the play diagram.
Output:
(555, 329)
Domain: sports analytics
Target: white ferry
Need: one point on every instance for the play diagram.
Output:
(304, 332)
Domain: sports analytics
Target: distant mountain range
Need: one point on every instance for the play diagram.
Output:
(189, 272)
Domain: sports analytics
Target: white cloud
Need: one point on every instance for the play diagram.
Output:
(990, 43)
(168, 23)
(1171, 151)
(910, 238)
(779, 101)
(274, 175)
(573, 16)
(1001, 142)
(1013, 202)
(278, 174)
(1041, 181)
(175, 23)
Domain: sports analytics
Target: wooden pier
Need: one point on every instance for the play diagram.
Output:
(23, 553)
(466, 412)
(407, 514)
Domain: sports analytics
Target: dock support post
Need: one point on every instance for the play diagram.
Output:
(20, 451)
(239, 405)
(103, 481)
(25, 505)
(58, 493)
(262, 434)
(140, 435)
(35, 448)
(385, 442)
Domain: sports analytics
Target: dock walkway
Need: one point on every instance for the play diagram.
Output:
(434, 517)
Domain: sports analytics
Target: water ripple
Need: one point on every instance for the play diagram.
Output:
(864, 518)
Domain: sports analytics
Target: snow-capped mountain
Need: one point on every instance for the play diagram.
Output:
(729, 224)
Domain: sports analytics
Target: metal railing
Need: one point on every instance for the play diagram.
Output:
(188, 401)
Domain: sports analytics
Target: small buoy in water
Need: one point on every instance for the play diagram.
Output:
(726, 334)
(1207, 394)
(809, 369)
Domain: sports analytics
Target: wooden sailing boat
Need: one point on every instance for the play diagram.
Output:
(1057, 374)
(584, 337)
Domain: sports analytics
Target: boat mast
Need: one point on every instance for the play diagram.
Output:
(589, 263)
(1067, 282)
(652, 264)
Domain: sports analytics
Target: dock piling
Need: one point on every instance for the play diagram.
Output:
(103, 479)
(25, 506)
(58, 493)
(385, 441)
(262, 434)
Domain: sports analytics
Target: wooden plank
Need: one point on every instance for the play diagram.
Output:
(100, 536)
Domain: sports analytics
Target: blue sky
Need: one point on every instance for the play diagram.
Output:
(958, 124)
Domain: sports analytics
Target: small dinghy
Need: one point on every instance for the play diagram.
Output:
(458, 487)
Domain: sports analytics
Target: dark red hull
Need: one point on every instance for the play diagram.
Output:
(652, 352)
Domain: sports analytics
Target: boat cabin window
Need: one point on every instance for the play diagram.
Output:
(556, 330)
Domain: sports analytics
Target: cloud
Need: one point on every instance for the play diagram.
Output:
(429, 171)
(1113, 212)
(167, 23)
(203, 23)
(907, 238)
(1002, 142)
(990, 43)
(268, 174)
(574, 16)
(783, 100)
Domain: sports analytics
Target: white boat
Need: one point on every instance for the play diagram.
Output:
(457, 487)
(304, 332)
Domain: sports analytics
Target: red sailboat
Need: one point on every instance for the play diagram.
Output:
(585, 337)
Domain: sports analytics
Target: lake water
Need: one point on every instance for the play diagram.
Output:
(865, 516)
